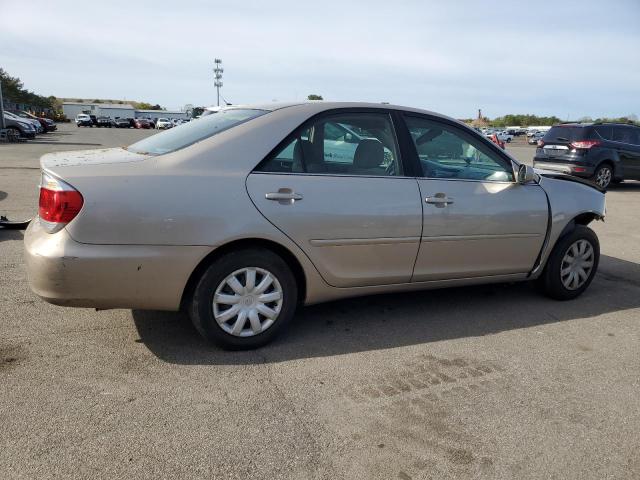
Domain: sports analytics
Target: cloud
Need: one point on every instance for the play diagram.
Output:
(547, 57)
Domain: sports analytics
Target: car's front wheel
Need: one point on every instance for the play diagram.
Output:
(572, 264)
(244, 299)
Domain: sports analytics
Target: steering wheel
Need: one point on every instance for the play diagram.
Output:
(390, 170)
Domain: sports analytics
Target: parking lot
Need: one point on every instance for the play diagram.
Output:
(484, 382)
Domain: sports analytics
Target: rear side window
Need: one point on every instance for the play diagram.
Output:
(348, 144)
(566, 134)
(192, 132)
(605, 131)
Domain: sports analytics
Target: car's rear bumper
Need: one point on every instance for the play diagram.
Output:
(65, 272)
(572, 168)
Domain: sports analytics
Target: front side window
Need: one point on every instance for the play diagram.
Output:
(175, 139)
(449, 152)
(627, 135)
(347, 144)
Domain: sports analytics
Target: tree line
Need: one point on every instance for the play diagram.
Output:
(13, 90)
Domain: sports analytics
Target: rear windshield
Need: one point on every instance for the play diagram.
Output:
(192, 132)
(566, 134)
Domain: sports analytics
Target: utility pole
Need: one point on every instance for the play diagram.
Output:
(217, 75)
(1, 110)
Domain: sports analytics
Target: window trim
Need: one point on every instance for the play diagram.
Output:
(389, 113)
(484, 142)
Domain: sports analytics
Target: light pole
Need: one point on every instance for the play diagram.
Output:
(217, 75)
(1, 110)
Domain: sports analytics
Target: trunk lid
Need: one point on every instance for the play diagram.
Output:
(101, 156)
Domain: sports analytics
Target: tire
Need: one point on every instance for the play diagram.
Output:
(553, 281)
(17, 131)
(223, 332)
(603, 175)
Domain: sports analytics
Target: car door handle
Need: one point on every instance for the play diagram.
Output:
(283, 196)
(440, 200)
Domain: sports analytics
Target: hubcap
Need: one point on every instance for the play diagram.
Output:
(603, 177)
(577, 265)
(247, 302)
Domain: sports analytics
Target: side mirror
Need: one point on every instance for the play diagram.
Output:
(526, 174)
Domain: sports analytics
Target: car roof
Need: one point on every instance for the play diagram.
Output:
(590, 124)
(319, 106)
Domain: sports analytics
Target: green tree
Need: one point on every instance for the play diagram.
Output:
(313, 96)
(147, 106)
(13, 90)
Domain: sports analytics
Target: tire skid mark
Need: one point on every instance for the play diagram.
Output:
(443, 376)
(413, 414)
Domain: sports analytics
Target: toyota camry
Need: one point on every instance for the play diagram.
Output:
(242, 216)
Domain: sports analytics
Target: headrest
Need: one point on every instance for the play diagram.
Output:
(369, 154)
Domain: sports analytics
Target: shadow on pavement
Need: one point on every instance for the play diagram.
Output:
(9, 234)
(628, 186)
(396, 320)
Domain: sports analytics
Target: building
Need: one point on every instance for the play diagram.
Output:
(112, 110)
(117, 110)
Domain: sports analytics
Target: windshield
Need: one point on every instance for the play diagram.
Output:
(192, 132)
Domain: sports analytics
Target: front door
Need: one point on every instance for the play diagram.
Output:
(349, 208)
(477, 220)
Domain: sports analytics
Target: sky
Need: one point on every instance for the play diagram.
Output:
(566, 58)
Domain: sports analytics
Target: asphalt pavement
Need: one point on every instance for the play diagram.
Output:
(484, 382)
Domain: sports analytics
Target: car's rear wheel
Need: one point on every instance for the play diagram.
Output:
(603, 175)
(244, 299)
(572, 264)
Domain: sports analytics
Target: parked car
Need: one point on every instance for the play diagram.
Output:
(34, 123)
(504, 136)
(141, 123)
(122, 123)
(84, 120)
(163, 124)
(603, 152)
(22, 128)
(533, 139)
(224, 219)
(104, 122)
(47, 124)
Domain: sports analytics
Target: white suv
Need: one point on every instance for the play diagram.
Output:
(83, 120)
(163, 123)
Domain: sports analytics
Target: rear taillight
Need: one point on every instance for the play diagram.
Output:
(540, 143)
(59, 203)
(585, 144)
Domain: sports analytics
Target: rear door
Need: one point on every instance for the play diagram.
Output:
(336, 188)
(627, 141)
(477, 220)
